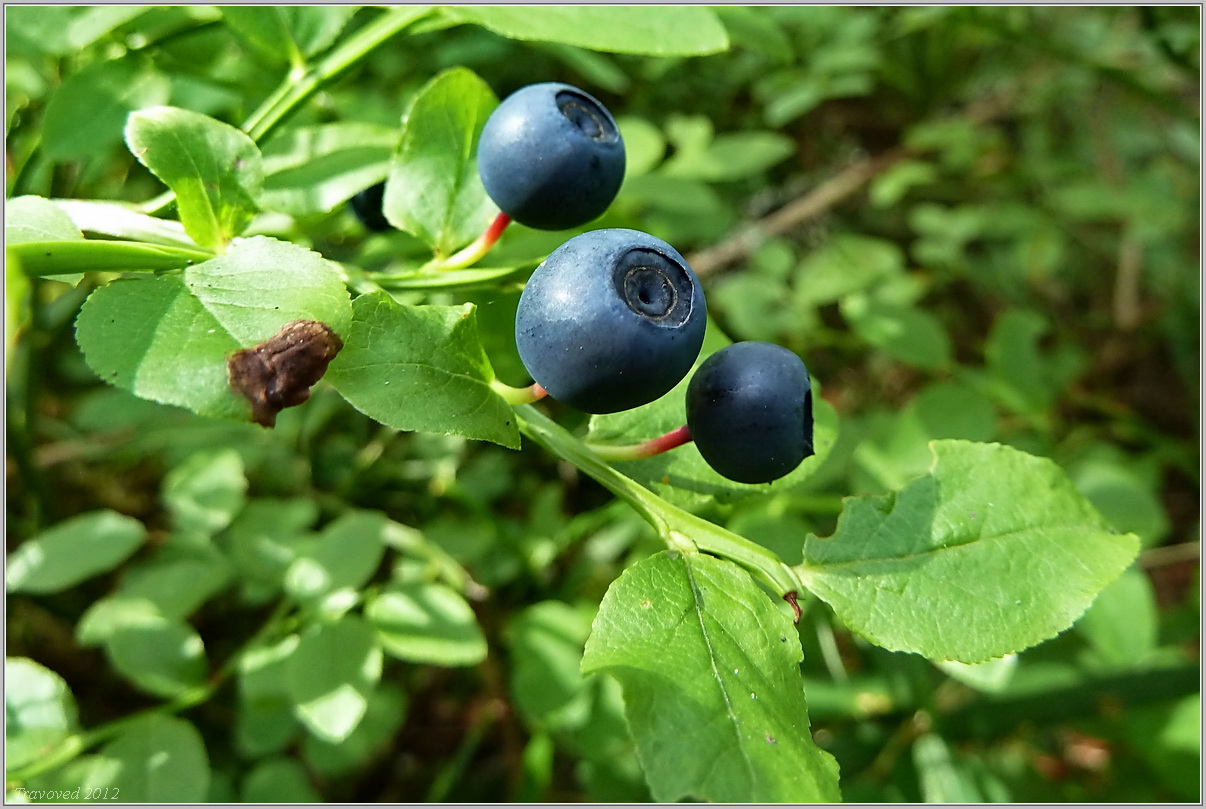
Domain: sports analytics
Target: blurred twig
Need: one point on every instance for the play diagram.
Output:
(833, 191)
(1170, 555)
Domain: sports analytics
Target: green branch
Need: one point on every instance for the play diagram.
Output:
(680, 529)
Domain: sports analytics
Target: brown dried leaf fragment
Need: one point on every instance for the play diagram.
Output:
(280, 371)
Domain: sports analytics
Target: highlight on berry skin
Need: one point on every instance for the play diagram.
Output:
(749, 411)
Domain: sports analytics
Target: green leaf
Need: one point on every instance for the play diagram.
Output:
(157, 341)
(267, 535)
(71, 551)
(313, 169)
(427, 622)
(846, 264)
(943, 779)
(732, 156)
(545, 642)
(649, 30)
(712, 688)
(156, 759)
(103, 94)
(107, 616)
(1123, 623)
(991, 552)
(39, 711)
(37, 219)
(214, 169)
(278, 780)
(421, 368)
(343, 558)
(288, 33)
(265, 722)
(434, 191)
(644, 145)
(263, 283)
(991, 676)
(177, 587)
(118, 221)
(204, 493)
(331, 675)
(910, 335)
(386, 710)
(160, 656)
(63, 30)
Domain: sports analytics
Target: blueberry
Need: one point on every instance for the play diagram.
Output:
(749, 409)
(611, 320)
(367, 205)
(551, 156)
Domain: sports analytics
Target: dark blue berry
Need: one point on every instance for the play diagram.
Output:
(551, 156)
(749, 409)
(368, 207)
(611, 320)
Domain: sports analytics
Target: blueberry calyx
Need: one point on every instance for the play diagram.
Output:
(654, 286)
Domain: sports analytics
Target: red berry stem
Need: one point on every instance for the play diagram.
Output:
(476, 249)
(646, 449)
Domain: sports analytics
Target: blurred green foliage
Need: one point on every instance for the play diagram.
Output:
(1021, 265)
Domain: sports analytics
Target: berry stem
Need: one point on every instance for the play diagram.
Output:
(471, 254)
(646, 449)
(518, 396)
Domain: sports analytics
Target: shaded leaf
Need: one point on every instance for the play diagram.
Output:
(156, 759)
(204, 493)
(331, 675)
(312, 169)
(73, 550)
(39, 711)
(427, 622)
(103, 94)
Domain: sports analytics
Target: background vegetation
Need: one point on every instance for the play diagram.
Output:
(975, 223)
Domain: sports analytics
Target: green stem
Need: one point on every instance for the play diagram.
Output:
(680, 529)
(300, 85)
(518, 396)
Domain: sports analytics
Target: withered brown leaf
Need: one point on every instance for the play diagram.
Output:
(280, 371)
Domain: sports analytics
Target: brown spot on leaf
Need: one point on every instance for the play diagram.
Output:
(280, 371)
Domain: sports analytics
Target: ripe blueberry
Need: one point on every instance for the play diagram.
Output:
(749, 409)
(611, 320)
(367, 205)
(551, 156)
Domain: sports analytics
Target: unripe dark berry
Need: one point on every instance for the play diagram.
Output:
(749, 410)
(611, 320)
(551, 156)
